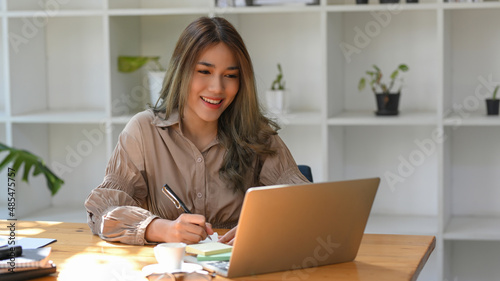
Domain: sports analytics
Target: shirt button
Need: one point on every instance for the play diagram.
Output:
(199, 195)
(199, 160)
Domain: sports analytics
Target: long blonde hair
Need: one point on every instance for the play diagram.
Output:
(242, 128)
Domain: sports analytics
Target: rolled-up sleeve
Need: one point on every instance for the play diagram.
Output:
(115, 209)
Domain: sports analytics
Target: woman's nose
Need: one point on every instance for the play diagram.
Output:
(216, 84)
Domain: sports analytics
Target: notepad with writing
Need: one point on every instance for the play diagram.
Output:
(208, 248)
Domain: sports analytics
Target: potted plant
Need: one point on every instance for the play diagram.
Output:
(387, 100)
(31, 162)
(493, 103)
(156, 73)
(276, 97)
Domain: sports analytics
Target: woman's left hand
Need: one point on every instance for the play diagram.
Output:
(228, 238)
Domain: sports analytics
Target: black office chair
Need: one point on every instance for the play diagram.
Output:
(306, 171)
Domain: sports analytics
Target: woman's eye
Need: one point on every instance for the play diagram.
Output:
(204, 71)
(232, 76)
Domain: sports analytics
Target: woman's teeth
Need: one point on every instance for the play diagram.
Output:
(211, 101)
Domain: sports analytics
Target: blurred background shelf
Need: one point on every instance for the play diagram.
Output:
(62, 97)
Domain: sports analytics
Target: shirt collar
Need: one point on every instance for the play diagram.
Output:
(160, 121)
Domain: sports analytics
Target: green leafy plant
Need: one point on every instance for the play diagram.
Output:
(19, 157)
(495, 93)
(278, 83)
(133, 63)
(376, 83)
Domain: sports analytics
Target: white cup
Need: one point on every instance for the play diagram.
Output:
(170, 255)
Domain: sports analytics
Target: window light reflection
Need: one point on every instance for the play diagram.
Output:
(101, 266)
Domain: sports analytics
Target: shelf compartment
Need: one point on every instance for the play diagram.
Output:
(407, 225)
(72, 157)
(121, 120)
(473, 228)
(136, 36)
(470, 79)
(73, 81)
(3, 132)
(405, 158)
(472, 260)
(115, 134)
(474, 160)
(364, 118)
(52, 7)
(301, 64)
(357, 40)
(158, 4)
(36, 195)
(305, 144)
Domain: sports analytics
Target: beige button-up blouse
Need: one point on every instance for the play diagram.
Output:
(152, 152)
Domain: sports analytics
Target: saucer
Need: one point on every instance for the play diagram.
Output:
(156, 268)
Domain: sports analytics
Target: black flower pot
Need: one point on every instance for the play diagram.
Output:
(361, 1)
(388, 1)
(492, 106)
(387, 104)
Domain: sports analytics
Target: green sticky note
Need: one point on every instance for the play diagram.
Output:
(216, 257)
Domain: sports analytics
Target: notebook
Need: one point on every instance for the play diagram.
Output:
(30, 258)
(288, 227)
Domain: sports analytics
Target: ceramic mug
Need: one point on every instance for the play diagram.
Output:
(170, 255)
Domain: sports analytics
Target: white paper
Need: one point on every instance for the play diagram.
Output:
(215, 238)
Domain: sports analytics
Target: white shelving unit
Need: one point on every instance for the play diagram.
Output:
(62, 97)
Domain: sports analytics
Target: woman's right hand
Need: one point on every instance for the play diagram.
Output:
(187, 228)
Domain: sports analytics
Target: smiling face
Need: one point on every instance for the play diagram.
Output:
(214, 85)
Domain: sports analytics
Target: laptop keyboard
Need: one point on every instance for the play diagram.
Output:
(224, 265)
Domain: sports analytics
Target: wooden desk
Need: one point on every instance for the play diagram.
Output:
(79, 255)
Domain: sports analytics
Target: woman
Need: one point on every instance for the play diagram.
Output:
(206, 139)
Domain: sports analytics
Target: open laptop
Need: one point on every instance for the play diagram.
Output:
(287, 227)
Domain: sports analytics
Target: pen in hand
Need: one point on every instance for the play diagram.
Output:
(176, 200)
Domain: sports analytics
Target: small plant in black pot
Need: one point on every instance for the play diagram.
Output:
(493, 103)
(387, 100)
